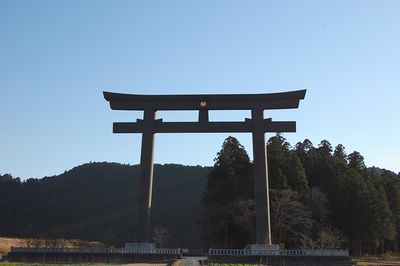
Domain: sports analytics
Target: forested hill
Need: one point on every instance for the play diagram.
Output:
(321, 197)
(96, 201)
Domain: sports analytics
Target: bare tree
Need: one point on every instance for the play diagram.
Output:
(38, 242)
(62, 243)
(50, 243)
(29, 242)
(331, 238)
(81, 243)
(307, 242)
(291, 220)
(160, 236)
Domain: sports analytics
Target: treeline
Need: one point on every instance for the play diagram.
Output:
(320, 198)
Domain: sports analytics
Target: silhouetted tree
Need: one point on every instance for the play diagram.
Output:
(356, 161)
(340, 155)
(296, 175)
(380, 222)
(277, 153)
(160, 236)
(229, 182)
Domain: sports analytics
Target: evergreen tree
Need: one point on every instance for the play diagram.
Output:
(356, 161)
(229, 183)
(307, 155)
(325, 149)
(296, 175)
(322, 172)
(231, 177)
(277, 151)
(381, 225)
(392, 188)
(348, 200)
(340, 155)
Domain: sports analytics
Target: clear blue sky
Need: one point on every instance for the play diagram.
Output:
(56, 58)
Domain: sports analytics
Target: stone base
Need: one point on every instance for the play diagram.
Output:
(140, 246)
(263, 249)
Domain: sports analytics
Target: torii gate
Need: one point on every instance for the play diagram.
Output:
(257, 125)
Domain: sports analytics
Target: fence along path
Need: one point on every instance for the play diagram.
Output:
(178, 251)
(249, 252)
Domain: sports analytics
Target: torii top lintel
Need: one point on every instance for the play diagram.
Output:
(257, 103)
(283, 100)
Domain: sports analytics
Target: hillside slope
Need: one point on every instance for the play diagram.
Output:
(96, 201)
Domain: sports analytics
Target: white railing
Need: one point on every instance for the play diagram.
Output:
(292, 252)
(178, 251)
(250, 252)
(240, 252)
(326, 252)
(227, 252)
(97, 250)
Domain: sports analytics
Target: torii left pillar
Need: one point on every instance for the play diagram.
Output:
(146, 177)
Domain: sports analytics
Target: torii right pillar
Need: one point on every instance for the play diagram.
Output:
(263, 220)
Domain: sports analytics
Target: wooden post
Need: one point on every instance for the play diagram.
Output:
(146, 178)
(263, 224)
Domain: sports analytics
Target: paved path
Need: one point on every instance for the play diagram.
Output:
(186, 262)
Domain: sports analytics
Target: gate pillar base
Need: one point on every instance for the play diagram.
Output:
(262, 249)
(140, 246)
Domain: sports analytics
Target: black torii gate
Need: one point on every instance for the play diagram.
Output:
(257, 125)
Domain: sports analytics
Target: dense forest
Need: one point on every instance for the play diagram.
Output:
(320, 198)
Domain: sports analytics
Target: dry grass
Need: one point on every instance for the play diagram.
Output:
(83, 264)
(6, 243)
(387, 259)
(49, 264)
(378, 262)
